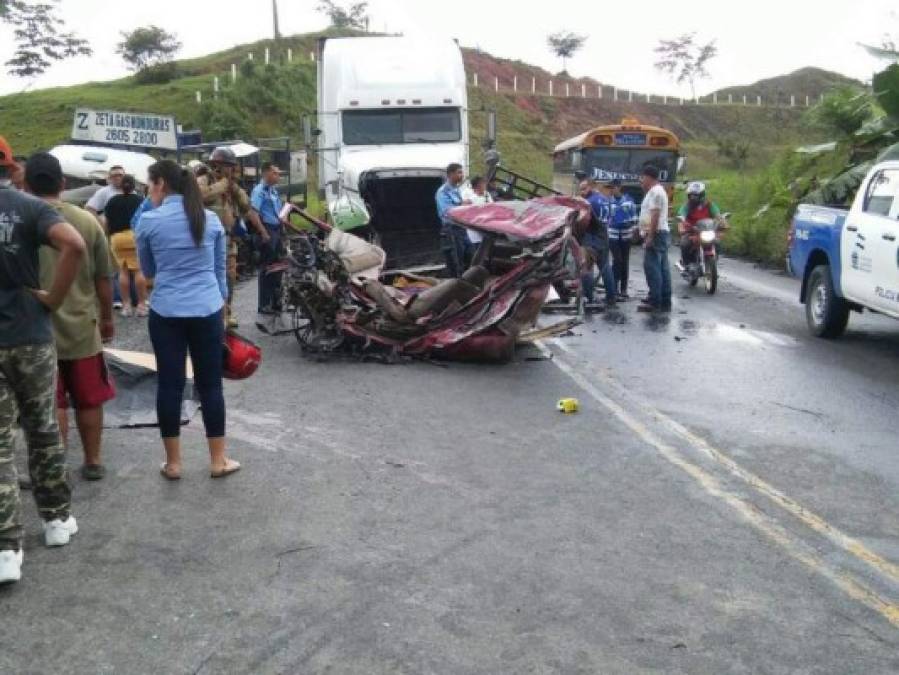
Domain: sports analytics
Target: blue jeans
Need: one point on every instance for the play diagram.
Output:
(658, 273)
(269, 298)
(453, 241)
(172, 338)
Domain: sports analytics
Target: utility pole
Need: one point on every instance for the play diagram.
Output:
(275, 19)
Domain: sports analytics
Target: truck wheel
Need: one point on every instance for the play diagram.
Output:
(825, 313)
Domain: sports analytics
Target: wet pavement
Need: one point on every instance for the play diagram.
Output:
(726, 500)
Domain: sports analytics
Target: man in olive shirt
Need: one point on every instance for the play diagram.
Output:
(83, 322)
(223, 196)
(28, 365)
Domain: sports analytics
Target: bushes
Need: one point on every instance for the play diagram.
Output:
(161, 73)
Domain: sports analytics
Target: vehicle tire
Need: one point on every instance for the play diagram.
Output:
(825, 313)
(711, 276)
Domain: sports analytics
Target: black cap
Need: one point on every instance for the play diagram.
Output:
(651, 171)
(42, 164)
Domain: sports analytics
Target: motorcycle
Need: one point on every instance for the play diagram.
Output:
(702, 262)
(340, 300)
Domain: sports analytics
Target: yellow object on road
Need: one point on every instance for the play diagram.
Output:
(568, 405)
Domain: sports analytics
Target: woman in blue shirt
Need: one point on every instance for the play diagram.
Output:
(182, 246)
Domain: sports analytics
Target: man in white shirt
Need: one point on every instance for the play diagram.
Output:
(656, 239)
(476, 193)
(97, 203)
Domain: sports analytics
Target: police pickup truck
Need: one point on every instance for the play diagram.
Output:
(849, 260)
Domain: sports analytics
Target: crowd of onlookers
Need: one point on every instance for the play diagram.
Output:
(60, 267)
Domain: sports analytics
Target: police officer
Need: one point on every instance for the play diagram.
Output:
(223, 195)
(621, 232)
(596, 243)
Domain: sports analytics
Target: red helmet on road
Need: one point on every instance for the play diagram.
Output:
(241, 357)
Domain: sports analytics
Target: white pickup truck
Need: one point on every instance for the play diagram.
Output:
(849, 260)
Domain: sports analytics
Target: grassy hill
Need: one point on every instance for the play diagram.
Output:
(811, 82)
(270, 100)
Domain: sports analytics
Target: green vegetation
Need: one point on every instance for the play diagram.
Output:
(745, 153)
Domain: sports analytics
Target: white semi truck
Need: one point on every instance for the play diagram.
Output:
(392, 114)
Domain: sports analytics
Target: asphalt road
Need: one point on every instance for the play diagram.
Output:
(725, 501)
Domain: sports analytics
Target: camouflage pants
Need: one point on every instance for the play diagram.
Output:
(27, 392)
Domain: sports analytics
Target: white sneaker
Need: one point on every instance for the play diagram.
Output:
(58, 532)
(10, 566)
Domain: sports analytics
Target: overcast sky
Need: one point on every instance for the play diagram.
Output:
(756, 39)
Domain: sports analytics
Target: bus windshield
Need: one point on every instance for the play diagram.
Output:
(626, 163)
(404, 125)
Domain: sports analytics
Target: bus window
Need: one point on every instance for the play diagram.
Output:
(627, 163)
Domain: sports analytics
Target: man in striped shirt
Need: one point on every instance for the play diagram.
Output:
(621, 232)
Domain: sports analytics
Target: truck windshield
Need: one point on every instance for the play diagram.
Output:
(391, 127)
(627, 163)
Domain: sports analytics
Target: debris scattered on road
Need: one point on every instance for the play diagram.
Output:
(568, 405)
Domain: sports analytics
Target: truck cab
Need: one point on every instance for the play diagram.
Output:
(392, 115)
(849, 260)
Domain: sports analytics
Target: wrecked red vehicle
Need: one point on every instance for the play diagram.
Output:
(341, 301)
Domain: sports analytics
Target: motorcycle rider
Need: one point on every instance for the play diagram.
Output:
(223, 196)
(698, 207)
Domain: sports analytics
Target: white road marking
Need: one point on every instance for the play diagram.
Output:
(766, 524)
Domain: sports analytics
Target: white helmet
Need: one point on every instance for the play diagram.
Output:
(696, 188)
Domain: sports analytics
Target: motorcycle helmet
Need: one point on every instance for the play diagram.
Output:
(241, 357)
(223, 155)
(696, 192)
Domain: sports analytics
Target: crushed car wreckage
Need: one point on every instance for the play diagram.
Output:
(340, 300)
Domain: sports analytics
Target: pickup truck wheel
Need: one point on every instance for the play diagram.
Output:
(825, 313)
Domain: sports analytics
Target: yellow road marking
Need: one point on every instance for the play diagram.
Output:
(761, 521)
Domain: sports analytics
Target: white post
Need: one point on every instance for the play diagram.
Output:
(806, 101)
(758, 100)
(598, 91)
(744, 99)
(289, 55)
(495, 84)
(533, 85)
(215, 84)
(475, 79)
(199, 97)
(821, 98)
(567, 91)
(515, 83)
(665, 100)
(550, 87)
(250, 56)
(730, 98)
(630, 97)
(715, 98)
(267, 56)
(615, 94)
(649, 98)
(792, 100)
(233, 73)
(312, 56)
(583, 90)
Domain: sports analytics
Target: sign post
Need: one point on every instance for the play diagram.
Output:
(107, 127)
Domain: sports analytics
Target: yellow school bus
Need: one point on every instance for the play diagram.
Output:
(617, 151)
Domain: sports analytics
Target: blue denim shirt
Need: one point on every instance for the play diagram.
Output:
(266, 201)
(145, 206)
(447, 197)
(189, 279)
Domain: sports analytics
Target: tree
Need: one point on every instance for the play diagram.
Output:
(146, 47)
(843, 111)
(354, 16)
(684, 59)
(39, 37)
(565, 44)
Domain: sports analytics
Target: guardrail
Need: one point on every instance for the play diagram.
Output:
(562, 88)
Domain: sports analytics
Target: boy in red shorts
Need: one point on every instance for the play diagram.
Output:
(83, 322)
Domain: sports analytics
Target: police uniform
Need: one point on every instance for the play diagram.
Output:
(229, 202)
